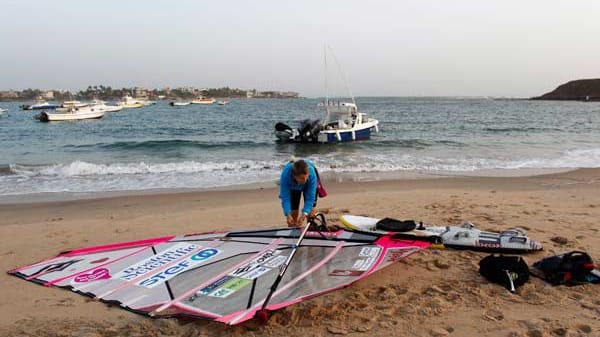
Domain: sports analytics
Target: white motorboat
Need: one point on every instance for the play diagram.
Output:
(128, 102)
(39, 105)
(180, 103)
(222, 102)
(343, 122)
(86, 112)
(102, 106)
(66, 106)
(203, 100)
(73, 104)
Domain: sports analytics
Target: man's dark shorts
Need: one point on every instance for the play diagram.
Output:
(295, 199)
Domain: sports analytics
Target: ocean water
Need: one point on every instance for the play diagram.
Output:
(197, 146)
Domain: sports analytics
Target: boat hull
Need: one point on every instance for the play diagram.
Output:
(326, 136)
(55, 117)
(333, 136)
(40, 107)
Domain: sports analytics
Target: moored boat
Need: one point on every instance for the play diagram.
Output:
(343, 122)
(102, 106)
(129, 102)
(86, 112)
(39, 105)
(180, 103)
(203, 100)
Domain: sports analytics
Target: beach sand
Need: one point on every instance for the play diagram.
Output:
(431, 293)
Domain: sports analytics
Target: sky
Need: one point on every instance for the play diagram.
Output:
(384, 48)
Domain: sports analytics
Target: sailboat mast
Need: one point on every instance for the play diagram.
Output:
(343, 76)
(326, 103)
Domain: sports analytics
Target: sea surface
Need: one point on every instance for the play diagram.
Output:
(213, 146)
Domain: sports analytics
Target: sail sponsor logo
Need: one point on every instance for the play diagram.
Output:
(214, 285)
(367, 257)
(265, 257)
(178, 268)
(97, 274)
(276, 261)
(369, 252)
(230, 287)
(54, 267)
(156, 261)
(363, 264)
(397, 254)
(256, 273)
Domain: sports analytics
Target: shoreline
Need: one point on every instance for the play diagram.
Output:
(328, 177)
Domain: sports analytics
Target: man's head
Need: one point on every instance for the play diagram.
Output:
(300, 171)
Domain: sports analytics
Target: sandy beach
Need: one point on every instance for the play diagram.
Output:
(431, 293)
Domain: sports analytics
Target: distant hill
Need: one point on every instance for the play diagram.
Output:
(578, 90)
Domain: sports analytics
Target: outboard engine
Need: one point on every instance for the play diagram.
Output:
(42, 116)
(306, 133)
(282, 127)
(309, 130)
(285, 132)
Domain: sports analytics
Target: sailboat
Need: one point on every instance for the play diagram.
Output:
(343, 122)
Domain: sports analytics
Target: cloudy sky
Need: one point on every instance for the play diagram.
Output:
(385, 48)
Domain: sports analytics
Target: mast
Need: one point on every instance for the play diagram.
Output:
(343, 75)
(326, 103)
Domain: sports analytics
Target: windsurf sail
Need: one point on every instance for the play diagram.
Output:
(220, 276)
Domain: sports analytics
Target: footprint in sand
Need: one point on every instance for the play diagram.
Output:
(493, 315)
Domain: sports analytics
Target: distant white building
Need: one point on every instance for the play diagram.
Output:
(139, 92)
(48, 94)
(9, 94)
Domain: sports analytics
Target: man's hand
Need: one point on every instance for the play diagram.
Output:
(301, 219)
(291, 222)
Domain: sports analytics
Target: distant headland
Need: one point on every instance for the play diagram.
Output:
(578, 90)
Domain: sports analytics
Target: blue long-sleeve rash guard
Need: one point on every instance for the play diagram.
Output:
(287, 184)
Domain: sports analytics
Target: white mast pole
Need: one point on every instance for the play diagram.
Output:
(343, 76)
(326, 103)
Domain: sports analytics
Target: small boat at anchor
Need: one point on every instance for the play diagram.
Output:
(39, 105)
(343, 122)
(203, 100)
(86, 112)
(180, 103)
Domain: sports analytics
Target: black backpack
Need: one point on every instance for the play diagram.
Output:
(509, 271)
(569, 268)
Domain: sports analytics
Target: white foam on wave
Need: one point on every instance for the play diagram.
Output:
(467, 163)
(81, 168)
(80, 176)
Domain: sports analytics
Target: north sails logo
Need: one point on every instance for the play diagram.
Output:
(54, 267)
